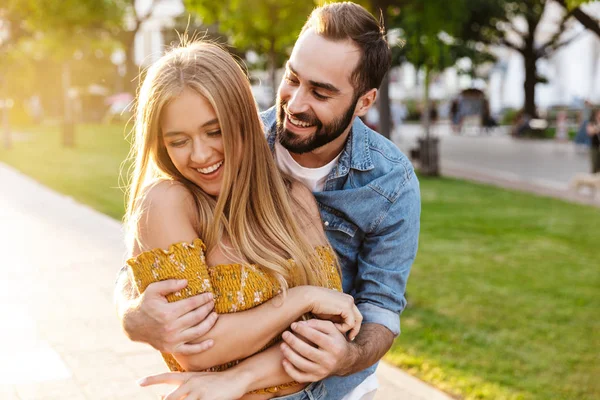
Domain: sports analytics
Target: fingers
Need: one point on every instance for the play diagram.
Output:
(178, 393)
(195, 316)
(185, 306)
(170, 378)
(196, 348)
(164, 288)
(352, 322)
(316, 331)
(295, 373)
(199, 330)
(358, 324)
(298, 346)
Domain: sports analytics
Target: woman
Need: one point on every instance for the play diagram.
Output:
(593, 131)
(207, 204)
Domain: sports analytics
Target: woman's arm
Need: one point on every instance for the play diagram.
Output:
(592, 128)
(167, 219)
(261, 371)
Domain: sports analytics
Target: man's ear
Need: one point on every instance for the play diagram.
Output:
(365, 102)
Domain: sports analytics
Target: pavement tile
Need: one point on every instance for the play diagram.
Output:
(57, 390)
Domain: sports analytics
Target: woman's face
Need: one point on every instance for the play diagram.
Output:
(192, 137)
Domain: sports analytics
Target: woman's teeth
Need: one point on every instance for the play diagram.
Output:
(210, 169)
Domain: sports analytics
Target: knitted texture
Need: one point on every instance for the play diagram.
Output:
(235, 287)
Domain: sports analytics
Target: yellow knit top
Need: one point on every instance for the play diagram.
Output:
(235, 287)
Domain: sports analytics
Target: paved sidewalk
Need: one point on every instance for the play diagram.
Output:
(543, 167)
(60, 338)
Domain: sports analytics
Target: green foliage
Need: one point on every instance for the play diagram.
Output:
(260, 25)
(571, 4)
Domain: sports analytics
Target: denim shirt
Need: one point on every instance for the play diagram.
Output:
(370, 207)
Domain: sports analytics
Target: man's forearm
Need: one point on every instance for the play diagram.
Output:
(370, 346)
(123, 296)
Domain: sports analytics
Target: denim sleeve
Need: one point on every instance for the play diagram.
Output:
(386, 257)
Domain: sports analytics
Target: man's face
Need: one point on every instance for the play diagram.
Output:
(316, 101)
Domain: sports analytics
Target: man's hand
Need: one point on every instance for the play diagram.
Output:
(336, 307)
(331, 353)
(168, 327)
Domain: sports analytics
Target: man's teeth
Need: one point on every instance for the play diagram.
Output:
(299, 123)
(210, 169)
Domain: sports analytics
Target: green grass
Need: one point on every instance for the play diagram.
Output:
(503, 297)
(88, 172)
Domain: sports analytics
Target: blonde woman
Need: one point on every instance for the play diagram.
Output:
(207, 204)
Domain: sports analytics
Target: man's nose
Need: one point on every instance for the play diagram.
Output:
(297, 103)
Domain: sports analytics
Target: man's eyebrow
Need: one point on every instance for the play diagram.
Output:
(325, 86)
(204, 125)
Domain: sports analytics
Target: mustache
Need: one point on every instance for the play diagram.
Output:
(304, 117)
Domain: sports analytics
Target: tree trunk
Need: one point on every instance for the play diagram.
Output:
(530, 59)
(131, 69)
(428, 146)
(385, 121)
(426, 116)
(68, 122)
(6, 123)
(4, 107)
(529, 85)
(528, 51)
(273, 70)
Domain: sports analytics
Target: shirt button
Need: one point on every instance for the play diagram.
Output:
(326, 223)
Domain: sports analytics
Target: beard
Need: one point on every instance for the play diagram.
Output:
(322, 135)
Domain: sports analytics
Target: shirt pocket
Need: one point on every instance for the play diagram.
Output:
(332, 221)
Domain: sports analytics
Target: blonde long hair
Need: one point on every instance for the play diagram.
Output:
(254, 205)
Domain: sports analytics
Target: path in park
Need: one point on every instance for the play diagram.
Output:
(541, 166)
(60, 338)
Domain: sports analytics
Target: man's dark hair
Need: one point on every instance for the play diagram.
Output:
(349, 21)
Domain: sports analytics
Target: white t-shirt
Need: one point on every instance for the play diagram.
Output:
(314, 179)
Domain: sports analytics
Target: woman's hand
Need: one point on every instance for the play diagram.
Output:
(334, 306)
(199, 385)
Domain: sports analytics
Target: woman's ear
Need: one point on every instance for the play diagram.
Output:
(365, 102)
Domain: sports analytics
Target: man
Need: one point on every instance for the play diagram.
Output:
(368, 196)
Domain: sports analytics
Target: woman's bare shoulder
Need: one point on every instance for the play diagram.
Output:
(166, 215)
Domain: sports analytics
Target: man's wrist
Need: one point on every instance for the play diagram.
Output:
(352, 356)
(128, 317)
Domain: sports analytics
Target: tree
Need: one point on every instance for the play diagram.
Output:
(514, 24)
(61, 30)
(132, 15)
(269, 27)
(419, 24)
(589, 22)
